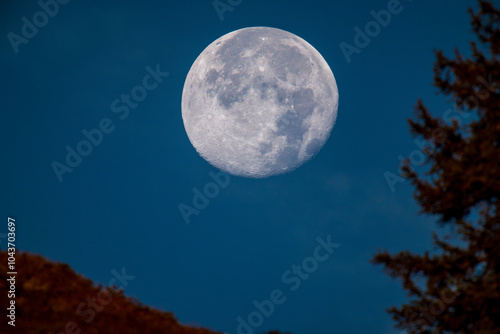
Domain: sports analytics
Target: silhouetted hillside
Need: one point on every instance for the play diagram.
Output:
(52, 298)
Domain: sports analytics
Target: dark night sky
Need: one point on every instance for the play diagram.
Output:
(119, 207)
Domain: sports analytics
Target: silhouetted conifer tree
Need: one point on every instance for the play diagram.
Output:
(457, 288)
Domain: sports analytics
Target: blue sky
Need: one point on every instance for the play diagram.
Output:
(119, 207)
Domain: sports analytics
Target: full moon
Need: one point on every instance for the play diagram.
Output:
(259, 102)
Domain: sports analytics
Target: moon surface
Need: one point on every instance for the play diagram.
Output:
(259, 102)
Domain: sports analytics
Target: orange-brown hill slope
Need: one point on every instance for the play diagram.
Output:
(49, 295)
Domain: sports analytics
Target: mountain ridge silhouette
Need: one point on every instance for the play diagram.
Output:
(51, 298)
